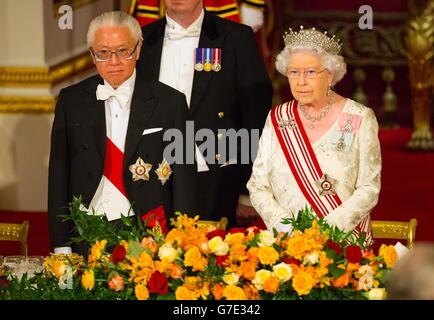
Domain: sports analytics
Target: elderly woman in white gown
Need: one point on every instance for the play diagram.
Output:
(319, 150)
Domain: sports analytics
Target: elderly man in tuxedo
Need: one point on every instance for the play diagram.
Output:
(217, 65)
(107, 138)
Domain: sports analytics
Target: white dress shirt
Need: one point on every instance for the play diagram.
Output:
(177, 63)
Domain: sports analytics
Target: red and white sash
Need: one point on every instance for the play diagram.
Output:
(111, 198)
(304, 165)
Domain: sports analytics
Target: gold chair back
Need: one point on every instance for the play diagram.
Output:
(403, 230)
(222, 224)
(16, 232)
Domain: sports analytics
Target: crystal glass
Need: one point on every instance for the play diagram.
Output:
(30, 265)
(12, 263)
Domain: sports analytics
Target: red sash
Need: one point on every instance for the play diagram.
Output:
(304, 165)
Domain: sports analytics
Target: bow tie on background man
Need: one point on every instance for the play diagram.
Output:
(174, 33)
(122, 94)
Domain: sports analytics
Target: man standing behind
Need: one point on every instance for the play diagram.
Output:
(107, 137)
(217, 65)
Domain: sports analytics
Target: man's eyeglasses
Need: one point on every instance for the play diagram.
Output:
(309, 73)
(122, 53)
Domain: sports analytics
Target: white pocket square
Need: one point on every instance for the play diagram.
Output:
(151, 130)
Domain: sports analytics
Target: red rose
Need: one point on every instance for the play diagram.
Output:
(158, 283)
(238, 230)
(118, 254)
(216, 233)
(220, 260)
(291, 261)
(353, 254)
(334, 246)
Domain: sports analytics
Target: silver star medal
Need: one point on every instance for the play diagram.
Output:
(140, 170)
(286, 123)
(164, 171)
(326, 185)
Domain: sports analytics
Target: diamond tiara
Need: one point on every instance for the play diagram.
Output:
(314, 38)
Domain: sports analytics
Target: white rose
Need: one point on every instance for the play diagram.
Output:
(217, 246)
(266, 238)
(282, 271)
(260, 277)
(311, 258)
(377, 294)
(167, 253)
(231, 278)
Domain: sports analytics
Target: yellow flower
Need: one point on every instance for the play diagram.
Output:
(282, 271)
(231, 278)
(217, 246)
(301, 244)
(192, 283)
(167, 253)
(59, 268)
(96, 251)
(88, 280)
(141, 268)
(142, 293)
(377, 294)
(271, 285)
(389, 255)
(182, 293)
(193, 258)
(233, 292)
(268, 255)
(234, 238)
(238, 252)
(260, 277)
(303, 280)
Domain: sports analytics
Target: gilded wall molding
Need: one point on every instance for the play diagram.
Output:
(26, 104)
(44, 76)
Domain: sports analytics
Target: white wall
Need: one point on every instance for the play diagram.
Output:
(24, 151)
(21, 33)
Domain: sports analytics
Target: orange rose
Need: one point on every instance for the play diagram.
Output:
(116, 283)
(217, 291)
(174, 271)
(271, 285)
(149, 243)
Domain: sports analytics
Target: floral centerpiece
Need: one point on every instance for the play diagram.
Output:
(196, 261)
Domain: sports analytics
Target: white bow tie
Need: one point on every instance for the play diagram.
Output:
(175, 34)
(122, 94)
